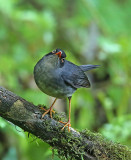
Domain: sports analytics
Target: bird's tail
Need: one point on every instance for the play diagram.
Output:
(88, 67)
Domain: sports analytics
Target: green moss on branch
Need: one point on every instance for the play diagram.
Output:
(74, 145)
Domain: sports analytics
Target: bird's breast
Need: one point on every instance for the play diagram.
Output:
(49, 80)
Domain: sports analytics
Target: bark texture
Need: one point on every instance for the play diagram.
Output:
(74, 145)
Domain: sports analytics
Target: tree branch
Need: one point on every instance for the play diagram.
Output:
(76, 145)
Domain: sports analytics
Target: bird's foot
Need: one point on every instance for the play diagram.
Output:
(47, 111)
(66, 124)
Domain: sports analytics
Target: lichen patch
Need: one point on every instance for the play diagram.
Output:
(19, 112)
(18, 103)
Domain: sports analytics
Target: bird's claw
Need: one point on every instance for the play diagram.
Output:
(66, 124)
(43, 109)
(47, 111)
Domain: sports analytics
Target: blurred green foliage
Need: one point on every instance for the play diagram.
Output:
(96, 32)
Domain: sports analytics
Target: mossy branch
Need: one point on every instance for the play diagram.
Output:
(74, 145)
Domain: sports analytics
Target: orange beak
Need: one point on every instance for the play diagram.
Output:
(59, 54)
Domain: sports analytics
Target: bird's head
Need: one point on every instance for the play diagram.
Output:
(56, 55)
(60, 53)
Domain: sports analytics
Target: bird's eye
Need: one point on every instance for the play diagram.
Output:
(54, 51)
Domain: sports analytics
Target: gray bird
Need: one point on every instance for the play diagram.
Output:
(60, 78)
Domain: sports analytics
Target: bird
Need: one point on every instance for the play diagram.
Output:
(59, 78)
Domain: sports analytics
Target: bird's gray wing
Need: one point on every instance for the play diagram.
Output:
(88, 67)
(73, 75)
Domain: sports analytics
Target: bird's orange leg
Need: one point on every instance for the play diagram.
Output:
(69, 120)
(49, 110)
